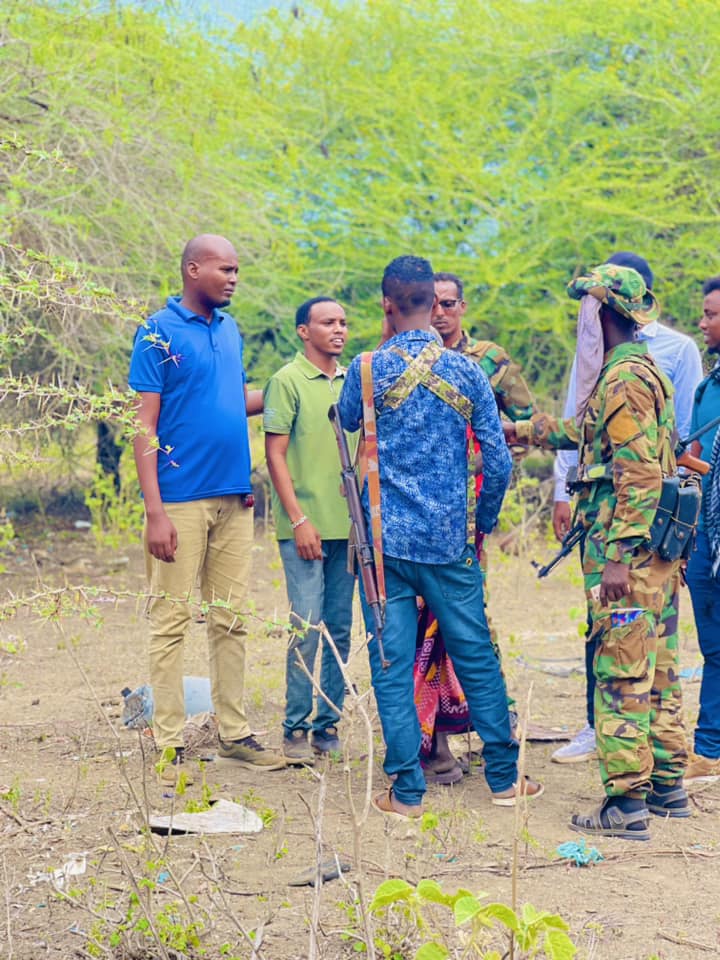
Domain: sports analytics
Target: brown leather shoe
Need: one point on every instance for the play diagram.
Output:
(249, 753)
(296, 749)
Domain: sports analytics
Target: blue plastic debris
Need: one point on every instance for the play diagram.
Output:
(692, 674)
(197, 696)
(137, 707)
(579, 852)
(138, 704)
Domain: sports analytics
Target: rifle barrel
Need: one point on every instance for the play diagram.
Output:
(574, 536)
(695, 435)
(361, 543)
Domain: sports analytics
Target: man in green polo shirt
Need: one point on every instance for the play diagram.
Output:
(311, 521)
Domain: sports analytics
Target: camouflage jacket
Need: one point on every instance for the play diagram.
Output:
(625, 446)
(511, 392)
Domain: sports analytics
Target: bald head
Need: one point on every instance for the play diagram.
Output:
(202, 247)
(209, 271)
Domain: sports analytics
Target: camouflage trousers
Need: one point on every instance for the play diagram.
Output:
(638, 698)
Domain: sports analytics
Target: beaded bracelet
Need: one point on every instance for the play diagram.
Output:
(298, 523)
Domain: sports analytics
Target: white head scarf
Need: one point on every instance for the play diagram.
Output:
(589, 354)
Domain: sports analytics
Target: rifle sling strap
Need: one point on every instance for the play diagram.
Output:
(373, 469)
(418, 372)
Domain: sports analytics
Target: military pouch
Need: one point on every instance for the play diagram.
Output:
(679, 539)
(664, 513)
(672, 532)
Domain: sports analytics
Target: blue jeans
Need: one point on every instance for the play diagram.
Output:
(454, 593)
(319, 591)
(705, 593)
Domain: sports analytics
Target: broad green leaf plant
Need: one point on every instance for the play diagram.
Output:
(476, 927)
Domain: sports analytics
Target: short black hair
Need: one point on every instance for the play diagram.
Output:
(711, 285)
(445, 277)
(408, 281)
(626, 258)
(302, 314)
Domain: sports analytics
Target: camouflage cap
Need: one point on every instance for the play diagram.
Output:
(621, 288)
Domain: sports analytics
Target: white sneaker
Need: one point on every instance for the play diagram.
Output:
(581, 747)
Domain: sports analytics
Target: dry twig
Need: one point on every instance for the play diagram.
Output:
(354, 706)
(686, 942)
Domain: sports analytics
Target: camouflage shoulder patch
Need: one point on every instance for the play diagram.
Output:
(477, 349)
(622, 427)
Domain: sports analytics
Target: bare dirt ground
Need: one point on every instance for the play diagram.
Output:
(75, 783)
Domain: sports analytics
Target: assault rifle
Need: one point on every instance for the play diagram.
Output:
(685, 459)
(359, 541)
(575, 535)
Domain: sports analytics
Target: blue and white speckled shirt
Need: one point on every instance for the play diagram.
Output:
(423, 455)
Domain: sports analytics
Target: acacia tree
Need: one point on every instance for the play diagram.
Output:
(92, 204)
(511, 142)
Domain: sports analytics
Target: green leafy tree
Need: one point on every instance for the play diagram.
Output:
(512, 142)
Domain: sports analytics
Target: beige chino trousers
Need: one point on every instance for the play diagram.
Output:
(215, 538)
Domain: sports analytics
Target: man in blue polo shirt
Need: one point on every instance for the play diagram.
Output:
(703, 572)
(424, 404)
(193, 461)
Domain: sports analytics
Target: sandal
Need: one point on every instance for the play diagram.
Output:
(610, 821)
(669, 803)
(446, 777)
(529, 789)
(383, 803)
(472, 759)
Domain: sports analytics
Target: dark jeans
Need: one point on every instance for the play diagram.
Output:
(705, 594)
(454, 593)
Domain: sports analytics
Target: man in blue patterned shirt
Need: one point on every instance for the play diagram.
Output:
(425, 532)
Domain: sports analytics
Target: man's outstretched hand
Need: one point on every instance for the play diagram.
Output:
(511, 437)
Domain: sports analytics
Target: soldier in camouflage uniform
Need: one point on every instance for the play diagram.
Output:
(513, 399)
(625, 442)
(511, 392)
